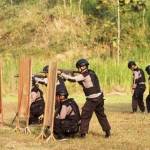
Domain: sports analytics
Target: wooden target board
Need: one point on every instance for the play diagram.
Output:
(50, 100)
(1, 106)
(24, 88)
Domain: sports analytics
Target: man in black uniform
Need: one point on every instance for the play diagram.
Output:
(67, 116)
(148, 97)
(138, 86)
(94, 97)
(60, 81)
(37, 104)
(60, 84)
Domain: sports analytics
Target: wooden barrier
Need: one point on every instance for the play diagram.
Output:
(49, 102)
(1, 105)
(24, 88)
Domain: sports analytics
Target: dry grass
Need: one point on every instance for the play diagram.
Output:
(129, 131)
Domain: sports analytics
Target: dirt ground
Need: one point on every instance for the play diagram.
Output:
(129, 131)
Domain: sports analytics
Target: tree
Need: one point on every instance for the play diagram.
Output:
(118, 45)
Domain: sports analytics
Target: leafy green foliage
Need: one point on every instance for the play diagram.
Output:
(135, 5)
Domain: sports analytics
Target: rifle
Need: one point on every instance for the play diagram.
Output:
(33, 75)
(72, 72)
(33, 78)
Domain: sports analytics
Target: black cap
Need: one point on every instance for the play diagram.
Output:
(147, 69)
(45, 69)
(82, 62)
(131, 63)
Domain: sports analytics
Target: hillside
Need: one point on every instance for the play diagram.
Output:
(43, 29)
(36, 26)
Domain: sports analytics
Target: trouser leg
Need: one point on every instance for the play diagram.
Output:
(141, 105)
(86, 115)
(57, 127)
(70, 127)
(140, 99)
(101, 116)
(135, 100)
(148, 103)
(134, 104)
(33, 120)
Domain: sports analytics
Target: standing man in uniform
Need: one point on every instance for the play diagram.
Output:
(138, 86)
(94, 97)
(148, 97)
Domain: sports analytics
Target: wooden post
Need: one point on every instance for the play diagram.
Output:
(24, 89)
(51, 90)
(118, 39)
(50, 102)
(1, 105)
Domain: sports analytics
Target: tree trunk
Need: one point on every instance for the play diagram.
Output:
(64, 3)
(143, 18)
(118, 42)
(80, 4)
(70, 3)
(11, 1)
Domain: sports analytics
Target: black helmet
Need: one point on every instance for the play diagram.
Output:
(82, 62)
(131, 63)
(148, 69)
(62, 92)
(45, 69)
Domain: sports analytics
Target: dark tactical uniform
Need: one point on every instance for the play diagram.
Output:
(94, 100)
(148, 97)
(60, 84)
(138, 89)
(67, 118)
(37, 106)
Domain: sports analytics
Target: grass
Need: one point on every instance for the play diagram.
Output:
(44, 29)
(129, 131)
(112, 77)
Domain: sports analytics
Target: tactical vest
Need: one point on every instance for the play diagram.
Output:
(93, 79)
(141, 75)
(37, 107)
(75, 109)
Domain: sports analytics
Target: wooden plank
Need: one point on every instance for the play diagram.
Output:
(24, 87)
(26, 72)
(49, 102)
(1, 105)
(50, 97)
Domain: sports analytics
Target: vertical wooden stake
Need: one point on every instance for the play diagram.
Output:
(1, 105)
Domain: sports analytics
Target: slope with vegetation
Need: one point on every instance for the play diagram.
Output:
(43, 29)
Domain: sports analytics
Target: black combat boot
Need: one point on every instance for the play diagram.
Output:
(107, 135)
(61, 137)
(82, 135)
